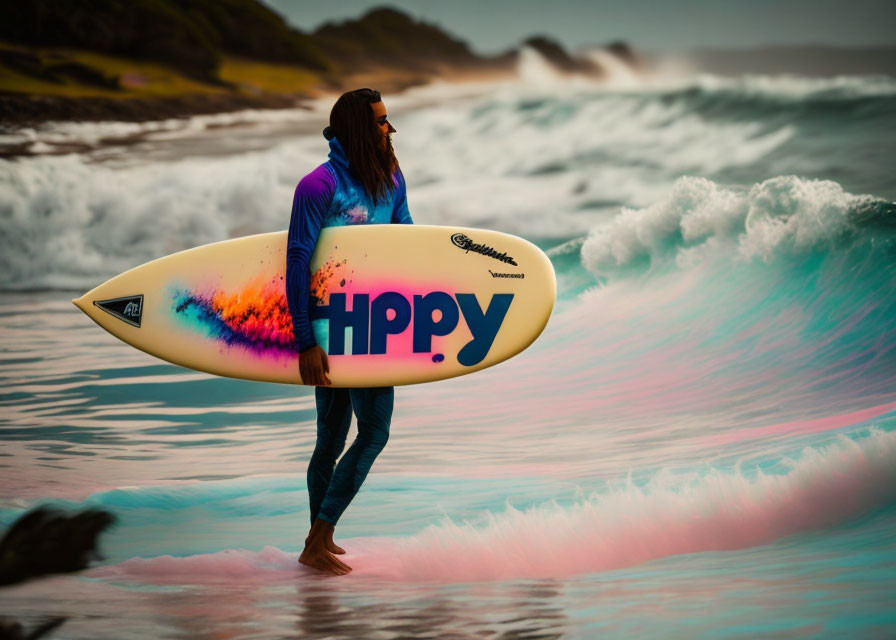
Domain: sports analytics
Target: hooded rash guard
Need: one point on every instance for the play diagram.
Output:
(330, 196)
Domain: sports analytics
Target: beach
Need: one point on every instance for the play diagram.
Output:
(703, 438)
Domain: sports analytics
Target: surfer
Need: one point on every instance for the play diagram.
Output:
(360, 184)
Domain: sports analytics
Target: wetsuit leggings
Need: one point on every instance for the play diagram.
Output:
(331, 487)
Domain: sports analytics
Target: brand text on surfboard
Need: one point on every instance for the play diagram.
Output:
(464, 242)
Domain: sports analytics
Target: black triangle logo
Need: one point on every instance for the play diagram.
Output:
(128, 309)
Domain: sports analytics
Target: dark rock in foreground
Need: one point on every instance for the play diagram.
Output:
(45, 541)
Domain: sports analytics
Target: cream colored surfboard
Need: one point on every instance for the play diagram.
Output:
(391, 304)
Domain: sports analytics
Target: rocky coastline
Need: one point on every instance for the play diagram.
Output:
(51, 72)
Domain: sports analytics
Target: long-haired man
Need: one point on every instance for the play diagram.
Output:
(359, 184)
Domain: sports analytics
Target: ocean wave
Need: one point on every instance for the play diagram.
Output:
(785, 215)
(714, 512)
(621, 527)
(68, 223)
(668, 77)
(517, 157)
(714, 97)
(52, 136)
(798, 88)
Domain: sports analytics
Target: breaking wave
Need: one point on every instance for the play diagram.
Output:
(620, 527)
(786, 215)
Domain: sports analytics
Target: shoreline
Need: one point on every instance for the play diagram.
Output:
(23, 115)
(18, 111)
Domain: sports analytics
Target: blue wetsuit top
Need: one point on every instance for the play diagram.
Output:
(330, 196)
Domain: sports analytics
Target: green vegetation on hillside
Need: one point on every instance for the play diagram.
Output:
(190, 35)
(73, 73)
(195, 36)
(385, 37)
(58, 55)
(140, 29)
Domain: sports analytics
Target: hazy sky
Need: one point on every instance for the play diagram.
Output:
(494, 25)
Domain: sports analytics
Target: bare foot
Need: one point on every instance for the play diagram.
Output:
(318, 552)
(324, 561)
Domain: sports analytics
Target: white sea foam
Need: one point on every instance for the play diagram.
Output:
(66, 222)
(533, 69)
(538, 159)
(617, 72)
(798, 88)
(784, 214)
(49, 136)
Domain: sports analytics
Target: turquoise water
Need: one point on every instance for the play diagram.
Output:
(702, 443)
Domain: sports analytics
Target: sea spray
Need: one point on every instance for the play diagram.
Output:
(784, 215)
(532, 161)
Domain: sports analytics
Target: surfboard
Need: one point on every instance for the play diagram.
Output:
(390, 304)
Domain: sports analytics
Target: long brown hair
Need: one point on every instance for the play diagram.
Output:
(353, 123)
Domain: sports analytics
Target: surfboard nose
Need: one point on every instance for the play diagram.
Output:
(81, 303)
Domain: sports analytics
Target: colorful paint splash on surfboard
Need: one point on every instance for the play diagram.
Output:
(257, 315)
(331, 275)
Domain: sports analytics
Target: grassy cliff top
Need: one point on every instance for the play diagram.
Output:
(78, 59)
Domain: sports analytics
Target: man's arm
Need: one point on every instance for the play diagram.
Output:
(400, 213)
(309, 207)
